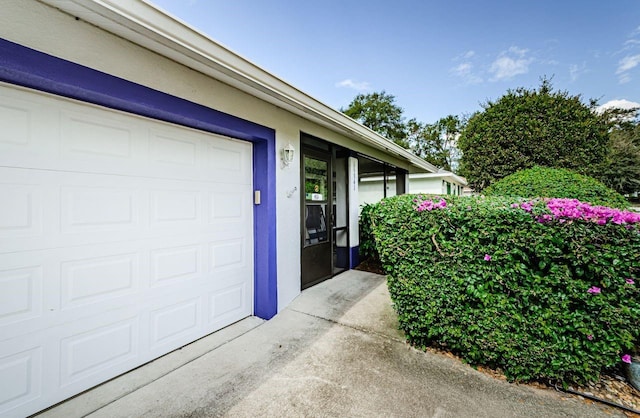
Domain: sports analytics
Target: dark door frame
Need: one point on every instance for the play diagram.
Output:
(318, 260)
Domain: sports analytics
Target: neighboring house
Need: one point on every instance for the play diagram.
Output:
(373, 188)
(441, 182)
(155, 188)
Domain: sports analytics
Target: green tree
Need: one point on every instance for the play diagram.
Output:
(525, 128)
(379, 112)
(437, 142)
(620, 169)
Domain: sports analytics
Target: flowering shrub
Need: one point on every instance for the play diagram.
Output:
(484, 278)
(555, 182)
(563, 209)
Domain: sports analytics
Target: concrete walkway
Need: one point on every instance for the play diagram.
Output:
(334, 352)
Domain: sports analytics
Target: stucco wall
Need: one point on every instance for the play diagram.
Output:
(434, 186)
(48, 30)
(372, 191)
(431, 186)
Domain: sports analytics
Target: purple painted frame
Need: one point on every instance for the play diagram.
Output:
(30, 68)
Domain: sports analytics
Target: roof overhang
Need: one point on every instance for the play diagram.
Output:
(439, 175)
(144, 24)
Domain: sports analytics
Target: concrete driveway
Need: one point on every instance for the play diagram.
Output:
(334, 352)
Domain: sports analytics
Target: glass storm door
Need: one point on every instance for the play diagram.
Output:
(317, 249)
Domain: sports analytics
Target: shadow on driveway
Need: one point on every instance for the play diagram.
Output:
(335, 352)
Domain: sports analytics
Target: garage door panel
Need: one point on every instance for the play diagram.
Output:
(171, 265)
(175, 325)
(170, 147)
(84, 138)
(229, 161)
(72, 209)
(227, 255)
(98, 351)
(121, 239)
(94, 208)
(83, 280)
(20, 378)
(226, 303)
(17, 120)
(89, 280)
(229, 205)
(21, 210)
(20, 294)
(93, 136)
(19, 117)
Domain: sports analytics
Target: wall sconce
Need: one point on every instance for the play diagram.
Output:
(288, 153)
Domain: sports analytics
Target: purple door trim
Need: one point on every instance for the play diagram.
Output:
(33, 69)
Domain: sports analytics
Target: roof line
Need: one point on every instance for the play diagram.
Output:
(143, 23)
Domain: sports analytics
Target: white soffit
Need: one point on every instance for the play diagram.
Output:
(142, 23)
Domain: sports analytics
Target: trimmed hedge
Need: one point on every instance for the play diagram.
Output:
(367, 246)
(556, 182)
(536, 293)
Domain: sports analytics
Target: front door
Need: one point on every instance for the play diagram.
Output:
(317, 215)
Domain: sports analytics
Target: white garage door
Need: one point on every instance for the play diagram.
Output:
(121, 239)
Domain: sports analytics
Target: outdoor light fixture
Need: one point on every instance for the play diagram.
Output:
(287, 154)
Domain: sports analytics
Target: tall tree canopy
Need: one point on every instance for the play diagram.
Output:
(525, 128)
(437, 142)
(379, 112)
(620, 169)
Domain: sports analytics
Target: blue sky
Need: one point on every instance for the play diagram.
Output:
(436, 57)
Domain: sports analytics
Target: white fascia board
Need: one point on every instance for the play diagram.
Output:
(417, 176)
(441, 174)
(144, 24)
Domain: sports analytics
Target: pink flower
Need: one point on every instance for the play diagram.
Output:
(629, 281)
(594, 289)
(575, 209)
(589, 337)
(626, 358)
(429, 205)
(487, 257)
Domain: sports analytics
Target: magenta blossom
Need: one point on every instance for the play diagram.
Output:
(629, 281)
(487, 257)
(626, 358)
(590, 337)
(594, 289)
(431, 205)
(575, 209)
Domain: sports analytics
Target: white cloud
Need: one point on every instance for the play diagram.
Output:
(510, 63)
(465, 56)
(618, 104)
(518, 51)
(462, 69)
(355, 85)
(465, 71)
(627, 63)
(575, 71)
